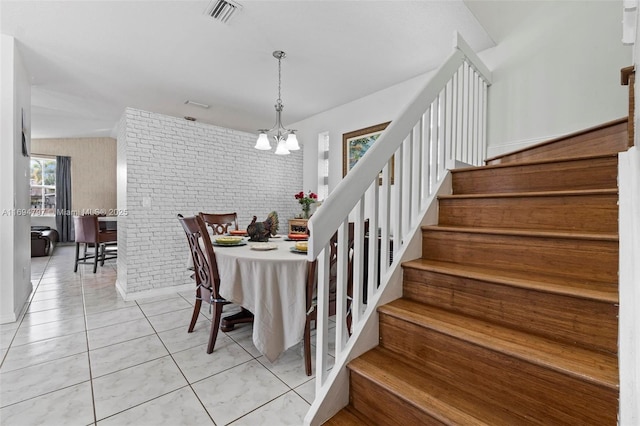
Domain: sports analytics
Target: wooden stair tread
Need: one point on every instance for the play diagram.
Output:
(524, 232)
(571, 173)
(594, 367)
(346, 417)
(580, 192)
(531, 162)
(548, 284)
(606, 134)
(438, 397)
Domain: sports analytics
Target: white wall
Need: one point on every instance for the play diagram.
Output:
(15, 251)
(558, 74)
(168, 165)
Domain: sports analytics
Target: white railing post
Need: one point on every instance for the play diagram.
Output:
(358, 261)
(322, 318)
(416, 176)
(372, 275)
(483, 134)
(341, 286)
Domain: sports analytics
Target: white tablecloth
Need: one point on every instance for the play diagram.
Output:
(271, 284)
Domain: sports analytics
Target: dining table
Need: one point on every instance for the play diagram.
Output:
(269, 280)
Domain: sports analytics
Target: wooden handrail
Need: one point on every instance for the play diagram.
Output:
(628, 78)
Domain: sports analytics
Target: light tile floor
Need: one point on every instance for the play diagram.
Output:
(81, 355)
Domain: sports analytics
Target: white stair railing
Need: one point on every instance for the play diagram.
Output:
(445, 122)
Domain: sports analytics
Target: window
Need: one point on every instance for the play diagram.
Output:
(43, 186)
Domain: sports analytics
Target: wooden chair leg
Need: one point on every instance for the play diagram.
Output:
(307, 347)
(103, 248)
(215, 325)
(194, 317)
(95, 258)
(349, 318)
(75, 267)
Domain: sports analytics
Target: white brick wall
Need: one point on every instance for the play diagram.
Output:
(179, 166)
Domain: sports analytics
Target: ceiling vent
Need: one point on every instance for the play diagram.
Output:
(222, 10)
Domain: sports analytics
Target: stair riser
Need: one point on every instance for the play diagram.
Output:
(584, 213)
(608, 140)
(546, 396)
(591, 260)
(365, 394)
(545, 314)
(596, 173)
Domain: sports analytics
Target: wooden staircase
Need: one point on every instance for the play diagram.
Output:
(510, 316)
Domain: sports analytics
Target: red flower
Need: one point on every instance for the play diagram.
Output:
(307, 199)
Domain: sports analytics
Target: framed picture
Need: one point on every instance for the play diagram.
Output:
(355, 144)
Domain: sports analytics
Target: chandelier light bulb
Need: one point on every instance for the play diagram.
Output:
(282, 148)
(292, 142)
(263, 142)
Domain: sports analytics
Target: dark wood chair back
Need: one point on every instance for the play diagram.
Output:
(205, 274)
(220, 222)
(203, 256)
(86, 229)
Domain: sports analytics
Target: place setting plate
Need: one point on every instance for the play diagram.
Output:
(263, 246)
(229, 242)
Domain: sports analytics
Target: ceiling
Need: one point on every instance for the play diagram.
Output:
(88, 60)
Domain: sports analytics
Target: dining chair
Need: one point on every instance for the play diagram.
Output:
(220, 222)
(87, 232)
(312, 286)
(205, 274)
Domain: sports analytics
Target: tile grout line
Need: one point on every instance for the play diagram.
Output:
(86, 330)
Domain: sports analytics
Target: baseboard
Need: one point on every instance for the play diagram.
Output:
(14, 316)
(164, 291)
(6, 319)
(496, 150)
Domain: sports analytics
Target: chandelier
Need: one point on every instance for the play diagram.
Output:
(285, 139)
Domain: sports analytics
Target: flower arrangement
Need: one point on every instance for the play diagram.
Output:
(305, 201)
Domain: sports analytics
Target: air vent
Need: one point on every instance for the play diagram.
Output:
(222, 10)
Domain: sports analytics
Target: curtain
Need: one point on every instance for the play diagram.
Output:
(63, 198)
